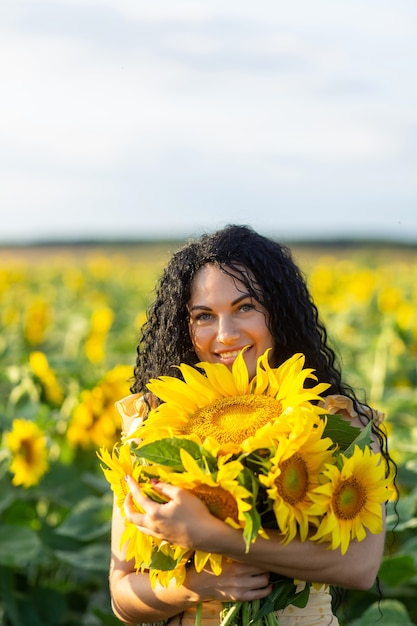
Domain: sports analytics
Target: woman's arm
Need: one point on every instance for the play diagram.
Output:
(134, 600)
(186, 521)
(309, 561)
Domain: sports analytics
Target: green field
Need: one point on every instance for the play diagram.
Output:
(69, 321)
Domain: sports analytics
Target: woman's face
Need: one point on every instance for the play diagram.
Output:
(224, 318)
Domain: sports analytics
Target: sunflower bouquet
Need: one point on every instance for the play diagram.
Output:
(261, 454)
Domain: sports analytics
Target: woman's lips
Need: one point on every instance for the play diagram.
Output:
(229, 356)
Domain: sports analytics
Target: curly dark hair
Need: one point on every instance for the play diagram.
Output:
(267, 270)
(269, 274)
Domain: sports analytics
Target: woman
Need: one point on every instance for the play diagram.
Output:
(217, 295)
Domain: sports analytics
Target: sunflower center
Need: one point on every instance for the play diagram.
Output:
(26, 450)
(220, 502)
(349, 499)
(233, 419)
(292, 483)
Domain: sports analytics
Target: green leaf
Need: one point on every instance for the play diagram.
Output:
(300, 599)
(93, 557)
(253, 518)
(283, 594)
(106, 619)
(63, 485)
(409, 547)
(7, 499)
(48, 604)
(397, 569)
(167, 452)
(363, 440)
(27, 614)
(90, 519)
(252, 526)
(405, 508)
(385, 613)
(18, 545)
(162, 561)
(340, 431)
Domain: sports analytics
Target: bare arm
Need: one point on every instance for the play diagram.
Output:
(245, 577)
(134, 600)
(310, 561)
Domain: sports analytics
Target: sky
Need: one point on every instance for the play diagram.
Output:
(126, 119)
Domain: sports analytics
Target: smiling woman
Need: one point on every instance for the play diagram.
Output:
(232, 352)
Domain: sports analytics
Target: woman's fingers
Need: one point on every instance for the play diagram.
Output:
(182, 519)
(137, 505)
(171, 518)
(175, 504)
(236, 583)
(164, 490)
(246, 575)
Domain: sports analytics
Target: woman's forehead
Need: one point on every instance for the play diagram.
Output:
(211, 279)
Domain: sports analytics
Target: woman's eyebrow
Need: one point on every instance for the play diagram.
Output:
(199, 306)
(244, 296)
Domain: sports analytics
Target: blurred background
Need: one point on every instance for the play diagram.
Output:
(126, 119)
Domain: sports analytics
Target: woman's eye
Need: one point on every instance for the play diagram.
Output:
(246, 307)
(203, 317)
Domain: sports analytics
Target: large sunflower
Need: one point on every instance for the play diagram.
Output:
(117, 465)
(350, 501)
(294, 473)
(221, 493)
(222, 409)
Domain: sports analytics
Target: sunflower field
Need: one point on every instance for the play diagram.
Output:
(69, 324)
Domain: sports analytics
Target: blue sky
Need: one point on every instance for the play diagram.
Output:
(125, 118)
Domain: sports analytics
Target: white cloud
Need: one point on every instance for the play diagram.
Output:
(176, 105)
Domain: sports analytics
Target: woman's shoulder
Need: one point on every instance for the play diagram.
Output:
(344, 405)
(132, 410)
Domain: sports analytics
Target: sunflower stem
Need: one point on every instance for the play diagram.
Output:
(231, 612)
(246, 613)
(255, 605)
(199, 611)
(271, 619)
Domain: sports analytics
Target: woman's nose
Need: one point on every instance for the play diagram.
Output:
(227, 331)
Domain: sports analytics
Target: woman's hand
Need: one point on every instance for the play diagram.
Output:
(238, 582)
(183, 520)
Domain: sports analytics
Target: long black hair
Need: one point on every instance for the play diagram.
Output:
(268, 272)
